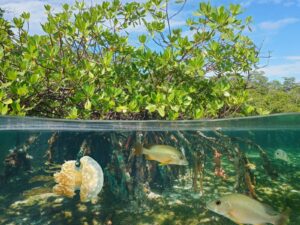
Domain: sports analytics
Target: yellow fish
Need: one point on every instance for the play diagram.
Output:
(251, 166)
(164, 154)
(244, 210)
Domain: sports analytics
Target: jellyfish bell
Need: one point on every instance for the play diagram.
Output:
(88, 178)
(92, 179)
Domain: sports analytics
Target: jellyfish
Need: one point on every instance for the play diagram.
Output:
(88, 178)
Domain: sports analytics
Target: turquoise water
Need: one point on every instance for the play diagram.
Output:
(140, 191)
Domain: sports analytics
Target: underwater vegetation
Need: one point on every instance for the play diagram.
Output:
(18, 158)
(150, 177)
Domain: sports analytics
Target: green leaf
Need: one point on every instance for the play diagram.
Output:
(7, 101)
(4, 109)
(22, 90)
(34, 78)
(151, 107)
(133, 105)
(73, 113)
(173, 115)
(187, 101)
(12, 75)
(1, 53)
(107, 59)
(111, 104)
(263, 111)
(16, 106)
(89, 90)
(226, 94)
(25, 15)
(47, 7)
(91, 75)
(248, 19)
(249, 109)
(171, 97)
(142, 38)
(122, 109)
(4, 85)
(175, 108)
(65, 6)
(199, 113)
(88, 105)
(19, 22)
(161, 111)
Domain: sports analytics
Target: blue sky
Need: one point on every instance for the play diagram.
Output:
(276, 27)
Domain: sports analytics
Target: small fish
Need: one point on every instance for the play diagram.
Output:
(282, 155)
(164, 154)
(244, 210)
(251, 166)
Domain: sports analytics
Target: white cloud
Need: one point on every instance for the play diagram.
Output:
(14, 8)
(246, 3)
(273, 1)
(286, 3)
(275, 25)
(36, 9)
(293, 57)
(283, 70)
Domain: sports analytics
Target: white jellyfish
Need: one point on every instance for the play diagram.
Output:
(88, 178)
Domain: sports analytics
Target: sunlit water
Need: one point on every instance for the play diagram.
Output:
(139, 191)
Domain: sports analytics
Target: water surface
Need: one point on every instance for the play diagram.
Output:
(140, 191)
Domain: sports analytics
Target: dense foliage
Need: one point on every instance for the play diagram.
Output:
(274, 96)
(86, 64)
(1, 13)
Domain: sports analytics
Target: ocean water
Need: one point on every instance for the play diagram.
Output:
(224, 157)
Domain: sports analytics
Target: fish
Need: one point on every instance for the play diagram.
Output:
(164, 154)
(251, 166)
(282, 155)
(242, 209)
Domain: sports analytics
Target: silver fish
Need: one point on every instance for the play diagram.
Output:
(282, 155)
(244, 210)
